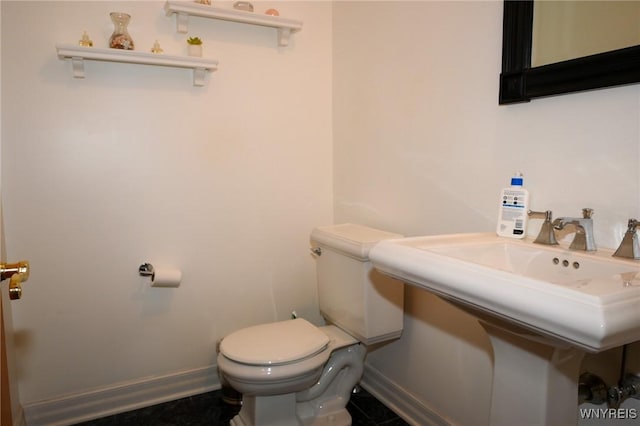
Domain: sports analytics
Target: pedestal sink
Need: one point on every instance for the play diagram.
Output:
(543, 307)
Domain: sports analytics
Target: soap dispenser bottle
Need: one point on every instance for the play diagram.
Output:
(514, 203)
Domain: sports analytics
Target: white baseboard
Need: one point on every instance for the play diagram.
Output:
(149, 391)
(19, 419)
(403, 403)
(120, 398)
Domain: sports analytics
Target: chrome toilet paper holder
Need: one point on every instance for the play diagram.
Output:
(161, 277)
(146, 270)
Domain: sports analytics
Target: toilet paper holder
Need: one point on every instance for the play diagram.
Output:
(146, 270)
(161, 277)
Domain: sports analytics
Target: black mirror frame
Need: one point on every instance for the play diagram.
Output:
(521, 83)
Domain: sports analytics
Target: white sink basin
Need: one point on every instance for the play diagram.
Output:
(589, 300)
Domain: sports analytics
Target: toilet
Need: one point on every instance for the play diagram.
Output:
(295, 373)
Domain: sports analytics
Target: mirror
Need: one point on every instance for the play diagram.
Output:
(520, 82)
(571, 29)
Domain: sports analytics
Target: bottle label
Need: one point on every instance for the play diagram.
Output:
(513, 198)
(512, 220)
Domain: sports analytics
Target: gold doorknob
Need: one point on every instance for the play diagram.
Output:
(17, 273)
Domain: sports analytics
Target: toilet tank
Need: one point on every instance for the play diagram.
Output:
(352, 294)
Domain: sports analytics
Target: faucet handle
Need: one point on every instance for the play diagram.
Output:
(629, 247)
(587, 212)
(546, 235)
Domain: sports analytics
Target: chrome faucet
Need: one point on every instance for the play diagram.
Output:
(584, 239)
(547, 235)
(629, 247)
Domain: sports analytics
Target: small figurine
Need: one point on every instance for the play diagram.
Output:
(243, 5)
(85, 40)
(156, 48)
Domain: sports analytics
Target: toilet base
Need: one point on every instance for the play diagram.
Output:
(281, 404)
(273, 410)
(337, 418)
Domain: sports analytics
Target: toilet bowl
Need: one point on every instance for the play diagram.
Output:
(294, 373)
(291, 379)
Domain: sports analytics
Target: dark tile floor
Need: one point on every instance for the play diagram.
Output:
(208, 409)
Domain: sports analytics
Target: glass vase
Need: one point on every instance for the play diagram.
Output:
(120, 39)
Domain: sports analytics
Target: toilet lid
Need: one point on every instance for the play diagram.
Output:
(274, 343)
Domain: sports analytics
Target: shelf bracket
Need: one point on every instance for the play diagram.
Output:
(182, 22)
(199, 76)
(283, 36)
(78, 67)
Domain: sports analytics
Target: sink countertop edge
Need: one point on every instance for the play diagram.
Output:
(399, 260)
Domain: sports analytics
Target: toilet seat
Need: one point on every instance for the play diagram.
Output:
(287, 376)
(274, 344)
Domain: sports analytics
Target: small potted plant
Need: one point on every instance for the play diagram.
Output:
(194, 46)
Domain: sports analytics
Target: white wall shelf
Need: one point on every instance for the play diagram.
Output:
(78, 54)
(183, 10)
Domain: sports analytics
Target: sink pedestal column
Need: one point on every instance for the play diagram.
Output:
(533, 382)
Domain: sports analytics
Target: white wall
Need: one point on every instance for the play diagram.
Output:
(422, 147)
(135, 164)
